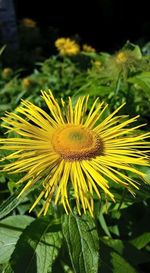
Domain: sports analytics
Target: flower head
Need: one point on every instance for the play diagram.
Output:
(97, 64)
(122, 64)
(69, 148)
(7, 73)
(121, 57)
(27, 22)
(126, 58)
(66, 46)
(26, 82)
(88, 48)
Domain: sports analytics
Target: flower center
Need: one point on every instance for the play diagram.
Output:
(74, 142)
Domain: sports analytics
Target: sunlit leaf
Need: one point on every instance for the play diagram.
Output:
(10, 230)
(82, 241)
(37, 247)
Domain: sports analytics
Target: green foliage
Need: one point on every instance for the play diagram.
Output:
(36, 251)
(10, 230)
(117, 239)
(82, 241)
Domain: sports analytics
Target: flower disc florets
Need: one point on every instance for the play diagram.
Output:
(76, 143)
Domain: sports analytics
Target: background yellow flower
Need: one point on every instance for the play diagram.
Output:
(88, 48)
(28, 22)
(66, 46)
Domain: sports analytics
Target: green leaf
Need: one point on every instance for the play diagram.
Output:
(2, 49)
(10, 230)
(141, 241)
(137, 52)
(119, 264)
(5, 107)
(146, 171)
(134, 48)
(9, 204)
(13, 201)
(5, 268)
(112, 262)
(37, 247)
(142, 80)
(103, 224)
(94, 90)
(82, 241)
(129, 252)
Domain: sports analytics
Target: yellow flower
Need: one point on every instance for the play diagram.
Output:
(88, 48)
(69, 148)
(126, 57)
(97, 64)
(27, 22)
(66, 46)
(26, 82)
(121, 57)
(7, 73)
(124, 62)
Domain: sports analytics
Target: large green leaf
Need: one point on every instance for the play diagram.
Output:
(10, 230)
(82, 241)
(37, 247)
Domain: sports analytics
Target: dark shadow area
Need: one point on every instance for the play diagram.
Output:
(105, 24)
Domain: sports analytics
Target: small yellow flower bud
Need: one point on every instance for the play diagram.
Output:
(121, 57)
(26, 82)
(7, 73)
(88, 48)
(27, 22)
